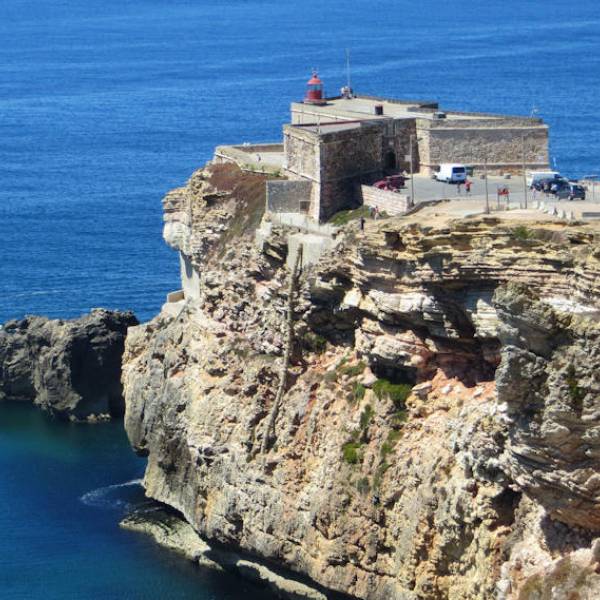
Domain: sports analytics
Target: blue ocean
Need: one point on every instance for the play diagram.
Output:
(107, 104)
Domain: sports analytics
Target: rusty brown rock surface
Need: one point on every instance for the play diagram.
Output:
(437, 438)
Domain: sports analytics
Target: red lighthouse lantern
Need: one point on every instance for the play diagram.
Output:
(314, 90)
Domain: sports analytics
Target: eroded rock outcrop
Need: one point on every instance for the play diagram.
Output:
(69, 368)
(550, 382)
(436, 438)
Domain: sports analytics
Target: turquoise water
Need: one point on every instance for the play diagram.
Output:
(64, 488)
(107, 104)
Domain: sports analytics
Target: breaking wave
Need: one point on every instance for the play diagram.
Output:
(122, 496)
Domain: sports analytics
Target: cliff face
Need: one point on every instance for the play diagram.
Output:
(69, 368)
(437, 432)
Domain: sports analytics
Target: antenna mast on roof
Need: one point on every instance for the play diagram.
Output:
(348, 68)
(346, 91)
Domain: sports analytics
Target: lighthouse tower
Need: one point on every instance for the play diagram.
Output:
(314, 90)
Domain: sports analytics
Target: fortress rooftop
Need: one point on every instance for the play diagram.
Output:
(374, 107)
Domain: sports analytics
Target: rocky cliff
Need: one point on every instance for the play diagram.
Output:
(69, 368)
(414, 417)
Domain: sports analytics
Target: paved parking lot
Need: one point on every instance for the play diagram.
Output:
(427, 188)
(463, 204)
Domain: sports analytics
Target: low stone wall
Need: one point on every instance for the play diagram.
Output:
(176, 296)
(391, 203)
(302, 222)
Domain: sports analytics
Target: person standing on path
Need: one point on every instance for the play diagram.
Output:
(468, 187)
(362, 223)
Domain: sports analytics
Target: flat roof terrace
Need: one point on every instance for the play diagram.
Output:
(261, 158)
(360, 107)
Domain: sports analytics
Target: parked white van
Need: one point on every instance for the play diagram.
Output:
(452, 173)
(532, 177)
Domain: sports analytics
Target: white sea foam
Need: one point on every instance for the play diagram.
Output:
(110, 496)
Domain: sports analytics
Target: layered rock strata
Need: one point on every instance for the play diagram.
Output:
(437, 434)
(71, 369)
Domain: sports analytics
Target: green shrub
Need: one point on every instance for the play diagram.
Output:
(345, 216)
(521, 232)
(330, 376)
(352, 370)
(351, 452)
(396, 392)
(576, 392)
(366, 416)
(399, 418)
(314, 342)
(358, 392)
(362, 485)
(379, 473)
(386, 448)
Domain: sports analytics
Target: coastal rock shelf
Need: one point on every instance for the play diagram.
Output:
(438, 434)
(70, 369)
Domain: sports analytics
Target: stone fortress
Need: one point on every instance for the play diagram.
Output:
(335, 145)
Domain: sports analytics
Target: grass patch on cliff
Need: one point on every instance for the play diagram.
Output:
(351, 452)
(388, 446)
(386, 449)
(330, 377)
(346, 216)
(248, 190)
(366, 416)
(520, 232)
(363, 486)
(313, 342)
(396, 392)
(379, 473)
(352, 370)
(576, 392)
(358, 393)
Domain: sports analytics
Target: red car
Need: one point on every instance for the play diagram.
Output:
(391, 183)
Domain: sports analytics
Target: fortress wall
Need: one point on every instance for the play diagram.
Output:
(301, 149)
(351, 153)
(347, 159)
(472, 142)
(288, 196)
(400, 144)
(336, 161)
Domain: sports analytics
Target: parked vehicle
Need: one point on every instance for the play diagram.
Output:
(391, 183)
(571, 191)
(533, 177)
(452, 173)
(577, 192)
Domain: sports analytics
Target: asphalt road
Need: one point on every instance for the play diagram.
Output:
(430, 189)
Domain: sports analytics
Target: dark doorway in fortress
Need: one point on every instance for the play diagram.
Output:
(389, 161)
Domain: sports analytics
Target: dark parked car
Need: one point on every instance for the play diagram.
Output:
(571, 191)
